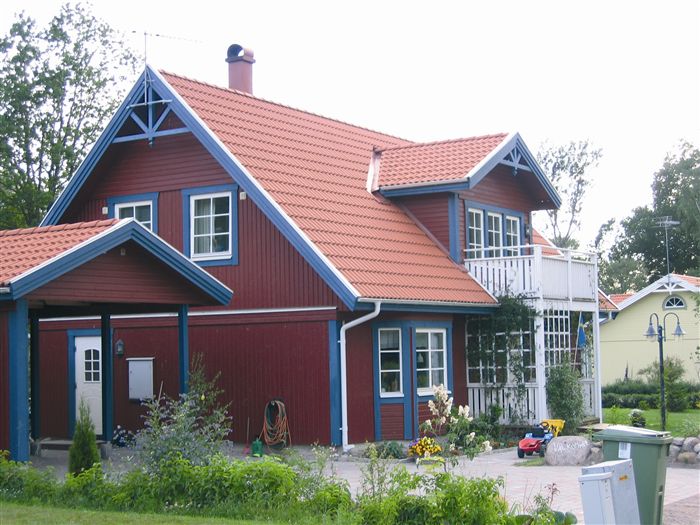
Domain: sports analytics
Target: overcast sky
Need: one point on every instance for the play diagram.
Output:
(623, 74)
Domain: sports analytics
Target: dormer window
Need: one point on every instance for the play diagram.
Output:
(673, 302)
(142, 207)
(492, 232)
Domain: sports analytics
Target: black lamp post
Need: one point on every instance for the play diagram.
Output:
(660, 334)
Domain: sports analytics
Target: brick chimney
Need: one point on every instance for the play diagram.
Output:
(240, 68)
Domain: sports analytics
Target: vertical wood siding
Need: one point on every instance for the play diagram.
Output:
(459, 361)
(432, 211)
(4, 381)
(360, 384)
(500, 188)
(392, 421)
(134, 277)
(53, 374)
(270, 273)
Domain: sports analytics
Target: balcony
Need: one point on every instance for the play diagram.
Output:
(537, 272)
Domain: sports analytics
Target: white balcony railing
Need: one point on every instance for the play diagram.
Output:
(535, 271)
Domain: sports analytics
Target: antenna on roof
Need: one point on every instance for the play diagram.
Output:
(666, 223)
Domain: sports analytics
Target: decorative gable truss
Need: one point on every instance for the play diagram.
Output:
(150, 117)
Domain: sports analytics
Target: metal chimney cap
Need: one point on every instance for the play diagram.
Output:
(237, 53)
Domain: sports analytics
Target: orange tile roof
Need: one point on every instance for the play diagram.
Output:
(445, 161)
(316, 168)
(27, 248)
(539, 239)
(605, 303)
(690, 279)
(617, 298)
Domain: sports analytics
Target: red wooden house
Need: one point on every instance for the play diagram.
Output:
(358, 259)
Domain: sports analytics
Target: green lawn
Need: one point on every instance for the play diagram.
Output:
(674, 420)
(26, 514)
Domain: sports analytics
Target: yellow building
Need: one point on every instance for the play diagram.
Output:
(623, 346)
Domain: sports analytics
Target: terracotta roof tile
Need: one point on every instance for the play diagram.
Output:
(690, 279)
(605, 303)
(445, 161)
(538, 238)
(617, 298)
(27, 248)
(316, 168)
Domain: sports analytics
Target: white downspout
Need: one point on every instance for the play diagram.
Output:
(343, 369)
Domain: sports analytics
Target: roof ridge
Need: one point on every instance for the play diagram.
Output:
(279, 104)
(446, 141)
(58, 227)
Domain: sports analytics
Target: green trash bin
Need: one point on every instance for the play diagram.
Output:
(648, 450)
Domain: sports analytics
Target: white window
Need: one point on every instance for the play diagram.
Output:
(430, 359)
(92, 365)
(495, 234)
(673, 302)
(390, 362)
(142, 211)
(210, 226)
(475, 241)
(512, 235)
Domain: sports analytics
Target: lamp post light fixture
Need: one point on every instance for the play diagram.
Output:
(659, 333)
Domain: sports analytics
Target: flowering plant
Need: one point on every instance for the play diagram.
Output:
(424, 447)
(122, 437)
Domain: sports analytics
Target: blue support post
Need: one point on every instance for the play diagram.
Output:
(334, 363)
(19, 382)
(35, 378)
(183, 348)
(107, 382)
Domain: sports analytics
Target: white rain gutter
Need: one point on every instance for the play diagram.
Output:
(343, 369)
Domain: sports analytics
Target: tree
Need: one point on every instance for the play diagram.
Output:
(83, 454)
(676, 194)
(622, 275)
(58, 86)
(567, 168)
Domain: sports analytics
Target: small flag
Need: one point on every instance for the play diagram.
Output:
(581, 337)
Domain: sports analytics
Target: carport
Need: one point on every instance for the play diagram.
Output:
(100, 268)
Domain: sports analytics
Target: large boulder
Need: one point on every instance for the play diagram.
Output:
(689, 444)
(689, 458)
(568, 450)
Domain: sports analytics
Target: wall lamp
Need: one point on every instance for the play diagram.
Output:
(119, 348)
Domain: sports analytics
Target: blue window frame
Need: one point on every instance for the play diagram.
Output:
(142, 206)
(492, 231)
(210, 224)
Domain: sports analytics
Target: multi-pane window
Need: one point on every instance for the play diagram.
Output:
(92, 365)
(512, 235)
(210, 225)
(430, 359)
(489, 359)
(390, 361)
(141, 211)
(674, 302)
(495, 234)
(557, 336)
(475, 241)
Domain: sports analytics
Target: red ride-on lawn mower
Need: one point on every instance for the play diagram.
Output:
(539, 437)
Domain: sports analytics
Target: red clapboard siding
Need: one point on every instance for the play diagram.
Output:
(53, 374)
(500, 188)
(270, 273)
(392, 421)
(360, 384)
(4, 381)
(135, 277)
(423, 412)
(432, 211)
(261, 362)
(459, 361)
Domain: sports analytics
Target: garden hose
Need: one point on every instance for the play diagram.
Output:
(275, 432)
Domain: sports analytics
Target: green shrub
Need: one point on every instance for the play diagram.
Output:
(564, 395)
(330, 497)
(22, 482)
(616, 416)
(689, 428)
(469, 501)
(89, 488)
(192, 426)
(389, 449)
(83, 453)
(637, 419)
(631, 386)
(415, 510)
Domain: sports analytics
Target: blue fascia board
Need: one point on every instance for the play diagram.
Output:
(537, 170)
(119, 234)
(76, 182)
(453, 211)
(437, 187)
(428, 308)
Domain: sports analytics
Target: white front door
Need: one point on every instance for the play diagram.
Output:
(88, 377)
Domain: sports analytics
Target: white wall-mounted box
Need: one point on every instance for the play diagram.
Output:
(140, 378)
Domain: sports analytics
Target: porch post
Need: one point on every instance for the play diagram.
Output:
(34, 370)
(18, 382)
(540, 365)
(107, 383)
(596, 349)
(183, 348)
